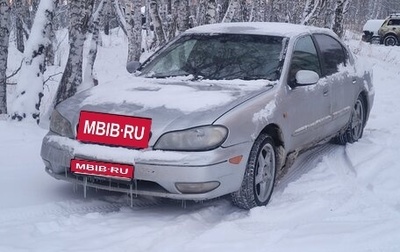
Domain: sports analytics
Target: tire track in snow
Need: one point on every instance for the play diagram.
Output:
(58, 209)
(348, 173)
(305, 162)
(74, 207)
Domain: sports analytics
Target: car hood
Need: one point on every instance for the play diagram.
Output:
(172, 104)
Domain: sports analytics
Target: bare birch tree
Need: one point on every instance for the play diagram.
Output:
(181, 8)
(30, 83)
(341, 8)
(310, 10)
(211, 13)
(157, 24)
(4, 41)
(120, 15)
(93, 38)
(231, 11)
(134, 23)
(79, 14)
(259, 10)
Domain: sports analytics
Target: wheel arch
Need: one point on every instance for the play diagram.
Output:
(275, 132)
(364, 96)
(390, 33)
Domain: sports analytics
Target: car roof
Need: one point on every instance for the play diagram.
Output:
(259, 28)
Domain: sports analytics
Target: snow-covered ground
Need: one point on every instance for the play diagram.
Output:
(334, 198)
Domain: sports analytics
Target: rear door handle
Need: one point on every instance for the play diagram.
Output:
(326, 91)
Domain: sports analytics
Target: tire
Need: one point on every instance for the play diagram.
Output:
(390, 40)
(259, 177)
(356, 125)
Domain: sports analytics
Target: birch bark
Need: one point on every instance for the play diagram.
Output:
(134, 29)
(79, 14)
(341, 8)
(211, 14)
(30, 83)
(156, 19)
(4, 41)
(230, 12)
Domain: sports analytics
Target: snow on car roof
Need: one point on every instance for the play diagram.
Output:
(373, 25)
(258, 28)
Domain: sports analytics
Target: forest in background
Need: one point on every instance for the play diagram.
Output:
(147, 24)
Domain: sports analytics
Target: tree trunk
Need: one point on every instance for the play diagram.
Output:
(93, 38)
(310, 11)
(231, 11)
(120, 16)
(79, 13)
(30, 83)
(338, 20)
(134, 28)
(211, 14)
(4, 41)
(182, 15)
(261, 12)
(19, 30)
(156, 19)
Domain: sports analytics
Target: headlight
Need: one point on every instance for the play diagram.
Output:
(194, 139)
(60, 125)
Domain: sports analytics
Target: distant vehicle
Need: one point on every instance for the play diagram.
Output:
(220, 110)
(370, 31)
(389, 32)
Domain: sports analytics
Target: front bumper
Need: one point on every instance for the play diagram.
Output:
(157, 173)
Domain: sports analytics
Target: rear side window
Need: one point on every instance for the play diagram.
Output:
(393, 22)
(332, 52)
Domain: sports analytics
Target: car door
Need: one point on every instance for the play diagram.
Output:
(339, 75)
(306, 108)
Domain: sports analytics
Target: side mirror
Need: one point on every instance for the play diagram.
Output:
(132, 66)
(306, 77)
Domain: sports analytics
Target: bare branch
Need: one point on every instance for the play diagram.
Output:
(16, 71)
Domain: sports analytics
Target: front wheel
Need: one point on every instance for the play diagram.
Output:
(356, 126)
(259, 177)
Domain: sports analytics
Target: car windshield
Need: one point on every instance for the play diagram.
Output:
(219, 57)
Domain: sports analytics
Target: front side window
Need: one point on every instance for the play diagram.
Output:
(305, 57)
(219, 57)
(332, 52)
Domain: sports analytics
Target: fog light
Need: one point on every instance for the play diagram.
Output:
(201, 187)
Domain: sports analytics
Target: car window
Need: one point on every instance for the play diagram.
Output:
(332, 53)
(393, 22)
(305, 57)
(220, 56)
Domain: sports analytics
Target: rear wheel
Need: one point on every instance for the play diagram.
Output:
(355, 128)
(259, 177)
(390, 40)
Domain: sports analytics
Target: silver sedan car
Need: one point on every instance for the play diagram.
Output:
(222, 109)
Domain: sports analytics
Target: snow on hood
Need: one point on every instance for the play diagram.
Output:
(373, 25)
(172, 103)
(172, 93)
